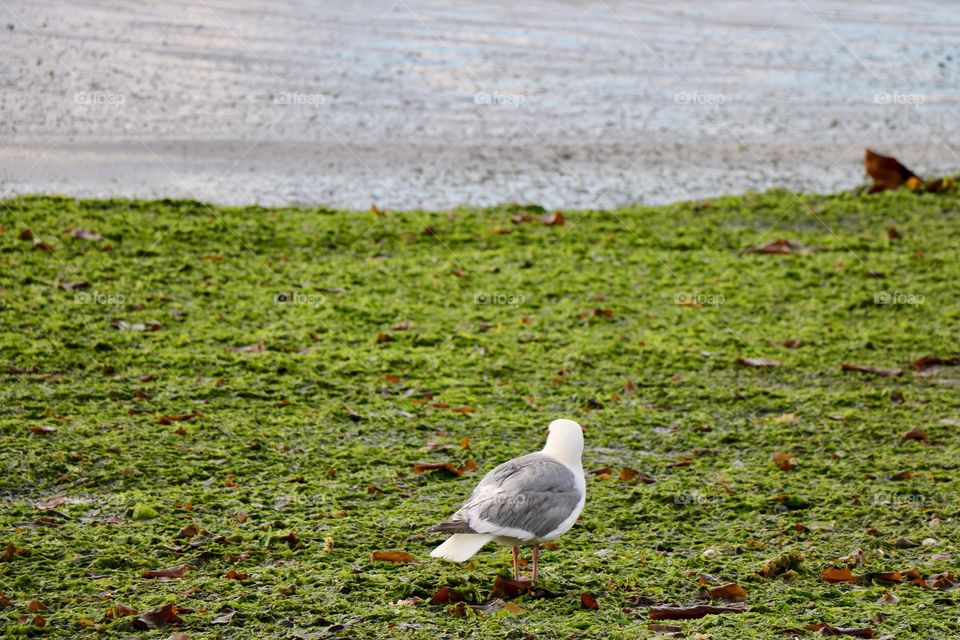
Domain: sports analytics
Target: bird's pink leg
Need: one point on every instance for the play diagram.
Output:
(536, 558)
(516, 562)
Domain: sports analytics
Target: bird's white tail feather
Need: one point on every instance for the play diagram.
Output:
(461, 546)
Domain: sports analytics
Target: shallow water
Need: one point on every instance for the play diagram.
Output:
(435, 104)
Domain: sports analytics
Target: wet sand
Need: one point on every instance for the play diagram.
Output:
(436, 104)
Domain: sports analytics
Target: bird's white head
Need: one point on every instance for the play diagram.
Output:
(565, 442)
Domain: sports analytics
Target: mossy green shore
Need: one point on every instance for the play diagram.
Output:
(630, 322)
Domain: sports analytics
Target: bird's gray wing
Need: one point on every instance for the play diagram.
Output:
(526, 497)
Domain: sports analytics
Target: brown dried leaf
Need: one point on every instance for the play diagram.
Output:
(35, 605)
(119, 610)
(627, 474)
(169, 573)
(504, 587)
(588, 602)
(673, 612)
(449, 467)
(235, 575)
(183, 417)
(391, 556)
(914, 434)
(731, 592)
(41, 245)
(783, 246)
(158, 617)
(834, 575)
(42, 430)
(886, 373)
(51, 503)
(554, 219)
(928, 362)
(886, 172)
(784, 461)
(446, 595)
(5, 600)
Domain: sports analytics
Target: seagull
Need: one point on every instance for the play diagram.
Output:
(523, 502)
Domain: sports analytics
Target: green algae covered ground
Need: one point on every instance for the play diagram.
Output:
(407, 333)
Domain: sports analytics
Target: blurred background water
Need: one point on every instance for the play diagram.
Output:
(412, 103)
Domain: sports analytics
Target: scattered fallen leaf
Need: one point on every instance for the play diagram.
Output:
(888, 598)
(41, 245)
(51, 503)
(449, 467)
(43, 430)
(446, 595)
(391, 556)
(5, 600)
(928, 362)
(757, 362)
(886, 373)
(35, 605)
(235, 575)
(784, 461)
(504, 587)
(914, 434)
(902, 475)
(169, 573)
(182, 417)
(588, 602)
(119, 610)
(783, 247)
(554, 219)
(158, 617)
(673, 612)
(886, 172)
(731, 592)
(834, 575)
